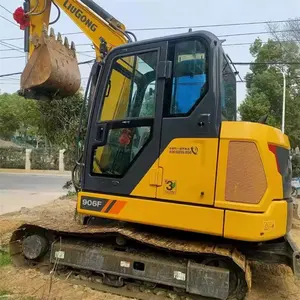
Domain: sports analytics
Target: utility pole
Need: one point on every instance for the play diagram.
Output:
(283, 98)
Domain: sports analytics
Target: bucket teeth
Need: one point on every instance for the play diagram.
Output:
(66, 43)
(73, 46)
(52, 34)
(59, 38)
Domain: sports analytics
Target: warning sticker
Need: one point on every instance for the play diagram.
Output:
(269, 225)
(125, 264)
(179, 275)
(170, 186)
(59, 254)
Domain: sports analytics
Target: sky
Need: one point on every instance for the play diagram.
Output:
(156, 13)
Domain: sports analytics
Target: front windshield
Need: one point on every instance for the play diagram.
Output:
(228, 92)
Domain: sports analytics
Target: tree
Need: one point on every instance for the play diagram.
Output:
(9, 121)
(265, 86)
(60, 120)
(56, 122)
(19, 116)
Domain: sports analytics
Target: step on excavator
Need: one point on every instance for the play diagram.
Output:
(172, 191)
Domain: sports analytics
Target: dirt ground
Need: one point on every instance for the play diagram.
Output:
(269, 282)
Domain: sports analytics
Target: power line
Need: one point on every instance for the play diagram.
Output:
(6, 9)
(8, 20)
(224, 35)
(266, 63)
(235, 44)
(10, 74)
(253, 33)
(220, 36)
(11, 57)
(11, 45)
(23, 56)
(186, 27)
(207, 26)
(3, 50)
(12, 39)
(19, 73)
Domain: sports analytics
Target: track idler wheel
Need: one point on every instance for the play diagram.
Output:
(34, 246)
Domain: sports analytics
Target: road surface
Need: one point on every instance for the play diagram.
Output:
(29, 190)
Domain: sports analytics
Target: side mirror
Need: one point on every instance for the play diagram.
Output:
(263, 119)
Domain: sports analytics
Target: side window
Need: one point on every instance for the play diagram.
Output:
(228, 92)
(124, 97)
(130, 94)
(190, 76)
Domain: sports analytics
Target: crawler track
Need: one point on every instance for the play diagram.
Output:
(143, 240)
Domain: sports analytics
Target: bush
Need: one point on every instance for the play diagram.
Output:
(70, 159)
(296, 165)
(44, 159)
(12, 158)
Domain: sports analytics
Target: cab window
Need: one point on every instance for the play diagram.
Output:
(190, 76)
(125, 96)
(228, 92)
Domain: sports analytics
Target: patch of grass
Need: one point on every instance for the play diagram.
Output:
(4, 293)
(4, 259)
(71, 195)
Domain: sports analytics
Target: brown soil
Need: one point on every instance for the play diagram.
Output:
(269, 282)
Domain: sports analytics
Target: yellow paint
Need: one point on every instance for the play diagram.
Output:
(261, 135)
(37, 21)
(116, 103)
(194, 172)
(148, 185)
(177, 216)
(256, 227)
(112, 36)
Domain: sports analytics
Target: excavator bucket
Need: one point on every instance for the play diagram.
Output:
(52, 71)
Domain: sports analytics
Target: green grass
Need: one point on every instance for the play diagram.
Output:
(4, 259)
(4, 293)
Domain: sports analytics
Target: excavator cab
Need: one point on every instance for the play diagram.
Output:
(168, 103)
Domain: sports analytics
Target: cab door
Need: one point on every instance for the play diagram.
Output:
(125, 130)
(190, 126)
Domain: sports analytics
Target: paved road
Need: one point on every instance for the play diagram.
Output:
(29, 190)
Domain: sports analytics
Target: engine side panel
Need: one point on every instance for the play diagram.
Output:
(254, 227)
(248, 178)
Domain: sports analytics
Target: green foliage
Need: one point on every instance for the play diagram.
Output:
(70, 158)
(60, 120)
(4, 294)
(13, 158)
(296, 165)
(54, 123)
(18, 115)
(4, 259)
(9, 118)
(265, 87)
(44, 159)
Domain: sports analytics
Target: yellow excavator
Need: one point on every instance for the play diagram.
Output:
(173, 192)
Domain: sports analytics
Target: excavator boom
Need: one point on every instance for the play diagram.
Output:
(52, 69)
